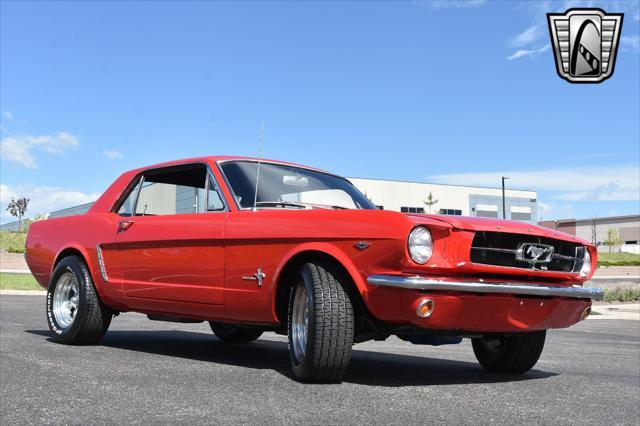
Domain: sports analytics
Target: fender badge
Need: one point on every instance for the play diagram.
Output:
(258, 276)
(361, 245)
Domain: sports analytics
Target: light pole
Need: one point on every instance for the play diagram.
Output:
(504, 204)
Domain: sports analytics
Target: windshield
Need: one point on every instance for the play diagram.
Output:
(283, 186)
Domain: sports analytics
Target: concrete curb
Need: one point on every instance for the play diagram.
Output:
(14, 271)
(23, 292)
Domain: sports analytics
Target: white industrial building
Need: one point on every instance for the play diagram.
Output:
(411, 197)
(596, 230)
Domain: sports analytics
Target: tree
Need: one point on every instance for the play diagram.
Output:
(430, 201)
(18, 208)
(613, 238)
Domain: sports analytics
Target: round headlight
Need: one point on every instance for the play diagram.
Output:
(586, 264)
(420, 245)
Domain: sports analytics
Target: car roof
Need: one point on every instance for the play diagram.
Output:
(221, 158)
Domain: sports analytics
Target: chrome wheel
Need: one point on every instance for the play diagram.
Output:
(66, 298)
(299, 323)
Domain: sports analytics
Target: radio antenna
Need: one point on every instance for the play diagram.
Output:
(255, 196)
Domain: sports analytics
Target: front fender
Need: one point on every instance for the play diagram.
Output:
(328, 249)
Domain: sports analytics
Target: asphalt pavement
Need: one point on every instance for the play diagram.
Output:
(167, 373)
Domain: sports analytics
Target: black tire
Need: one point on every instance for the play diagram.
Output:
(513, 354)
(234, 334)
(329, 325)
(91, 318)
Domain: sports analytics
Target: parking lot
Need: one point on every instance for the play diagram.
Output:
(154, 372)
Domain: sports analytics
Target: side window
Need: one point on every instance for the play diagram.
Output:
(214, 198)
(173, 191)
(126, 209)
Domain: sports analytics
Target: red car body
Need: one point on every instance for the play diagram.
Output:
(203, 266)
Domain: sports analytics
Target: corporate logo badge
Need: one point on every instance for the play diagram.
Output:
(585, 43)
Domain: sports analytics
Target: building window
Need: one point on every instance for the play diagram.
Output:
(412, 209)
(520, 216)
(451, 212)
(521, 213)
(486, 210)
(485, 213)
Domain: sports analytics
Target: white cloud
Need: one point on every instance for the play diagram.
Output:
(450, 4)
(43, 199)
(112, 155)
(7, 115)
(538, 26)
(631, 42)
(600, 183)
(526, 37)
(19, 149)
(529, 52)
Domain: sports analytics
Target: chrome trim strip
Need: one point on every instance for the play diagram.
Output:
(420, 283)
(103, 269)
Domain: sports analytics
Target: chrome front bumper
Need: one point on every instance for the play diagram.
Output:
(420, 283)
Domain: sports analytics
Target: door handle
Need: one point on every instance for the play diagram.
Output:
(124, 225)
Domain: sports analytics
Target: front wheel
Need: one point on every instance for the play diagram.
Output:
(74, 312)
(321, 325)
(513, 354)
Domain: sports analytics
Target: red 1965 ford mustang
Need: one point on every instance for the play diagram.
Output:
(307, 255)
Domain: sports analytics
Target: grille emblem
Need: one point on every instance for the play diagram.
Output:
(534, 253)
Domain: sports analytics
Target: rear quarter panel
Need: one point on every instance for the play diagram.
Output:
(47, 239)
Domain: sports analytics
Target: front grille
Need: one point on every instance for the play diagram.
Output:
(501, 249)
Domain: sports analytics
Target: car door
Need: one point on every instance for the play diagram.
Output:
(170, 247)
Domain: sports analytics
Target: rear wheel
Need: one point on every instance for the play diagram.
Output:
(321, 325)
(513, 354)
(234, 334)
(74, 312)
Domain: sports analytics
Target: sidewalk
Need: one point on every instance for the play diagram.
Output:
(619, 311)
(13, 263)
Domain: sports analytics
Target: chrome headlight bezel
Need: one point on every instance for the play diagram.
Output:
(420, 244)
(585, 270)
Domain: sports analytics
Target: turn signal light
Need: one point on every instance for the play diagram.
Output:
(425, 308)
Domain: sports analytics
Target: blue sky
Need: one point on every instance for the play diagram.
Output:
(453, 92)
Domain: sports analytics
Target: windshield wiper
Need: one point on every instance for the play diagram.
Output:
(286, 204)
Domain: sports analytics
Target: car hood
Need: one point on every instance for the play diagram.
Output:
(497, 225)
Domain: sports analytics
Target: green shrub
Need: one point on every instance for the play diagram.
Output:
(622, 294)
(13, 242)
